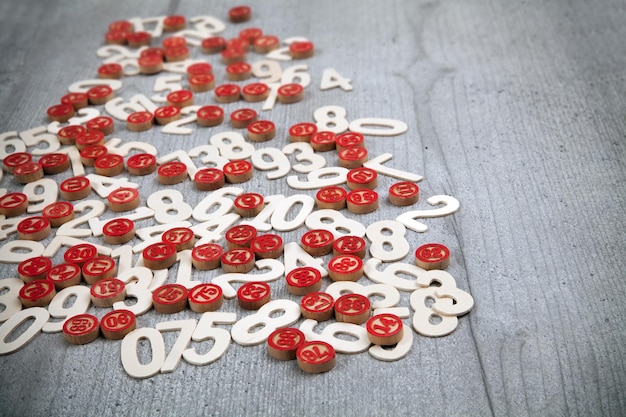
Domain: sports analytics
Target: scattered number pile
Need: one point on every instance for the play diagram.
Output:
(231, 228)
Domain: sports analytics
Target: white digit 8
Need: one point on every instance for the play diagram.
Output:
(9, 299)
(162, 209)
(425, 318)
(331, 118)
(232, 145)
(339, 225)
(58, 306)
(265, 317)
(399, 245)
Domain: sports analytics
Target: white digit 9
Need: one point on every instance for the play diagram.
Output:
(232, 145)
(59, 308)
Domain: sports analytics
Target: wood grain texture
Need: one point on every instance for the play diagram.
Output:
(515, 108)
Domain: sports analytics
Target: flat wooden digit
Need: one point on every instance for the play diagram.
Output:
(377, 165)
(278, 165)
(275, 270)
(39, 317)
(267, 318)
(137, 281)
(163, 209)
(67, 303)
(9, 290)
(331, 118)
(48, 195)
(450, 205)
(332, 79)
(323, 177)
(206, 330)
(390, 295)
(331, 332)
(279, 217)
(392, 274)
(335, 222)
(186, 328)
(305, 153)
(130, 359)
(398, 246)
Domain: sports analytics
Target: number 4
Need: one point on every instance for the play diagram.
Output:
(332, 79)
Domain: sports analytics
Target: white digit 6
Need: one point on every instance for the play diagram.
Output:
(399, 245)
(296, 73)
(162, 209)
(10, 143)
(215, 204)
(339, 225)
(205, 330)
(319, 178)
(391, 275)
(58, 307)
(232, 145)
(9, 290)
(265, 317)
(330, 332)
(331, 118)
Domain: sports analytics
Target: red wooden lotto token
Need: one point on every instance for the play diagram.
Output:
(345, 268)
(350, 245)
(139, 121)
(13, 204)
(117, 323)
(255, 92)
(199, 68)
(37, 293)
(28, 172)
(106, 292)
(169, 298)
(209, 179)
(301, 50)
(304, 280)
(352, 157)
(404, 193)
(68, 134)
(152, 51)
(172, 173)
(432, 256)
(331, 197)
(76, 100)
(180, 98)
(240, 236)
(283, 343)
(261, 131)
(60, 113)
(238, 171)
(290, 93)
(253, 295)
(362, 178)
(352, 308)
(174, 42)
(174, 23)
(34, 228)
(58, 213)
(151, 64)
(112, 70)
(249, 204)
(141, 164)
(206, 257)
(79, 254)
(166, 114)
(238, 43)
(160, 255)
(362, 201)
(176, 54)
(89, 154)
(64, 275)
(348, 139)
(240, 14)
(209, 116)
(213, 45)
(81, 329)
(34, 268)
(302, 132)
(75, 188)
(109, 165)
(54, 163)
(316, 357)
(317, 306)
(241, 118)
(201, 83)
(231, 56)
(238, 260)
(266, 43)
(251, 34)
(317, 242)
(98, 268)
(384, 329)
(123, 199)
(205, 297)
(227, 93)
(239, 71)
(182, 238)
(15, 159)
(118, 231)
(116, 37)
(267, 246)
(90, 137)
(138, 39)
(123, 25)
(99, 94)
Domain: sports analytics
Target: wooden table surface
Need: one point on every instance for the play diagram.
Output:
(517, 109)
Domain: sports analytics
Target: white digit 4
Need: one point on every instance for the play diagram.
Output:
(451, 205)
(213, 230)
(215, 204)
(39, 316)
(278, 162)
(174, 128)
(232, 145)
(260, 222)
(296, 74)
(331, 118)
(84, 85)
(90, 209)
(137, 282)
(336, 223)
(295, 257)
(279, 217)
(265, 321)
(37, 135)
(186, 328)
(305, 153)
(390, 295)
(59, 308)
(10, 143)
(274, 268)
(332, 79)
(331, 332)
(269, 71)
(131, 362)
(169, 206)
(48, 195)
(377, 165)
(9, 291)
(206, 330)
(323, 177)
(381, 127)
(398, 246)
(103, 186)
(183, 157)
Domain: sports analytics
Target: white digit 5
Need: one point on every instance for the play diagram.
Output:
(186, 328)
(130, 361)
(399, 246)
(60, 309)
(206, 330)
(40, 316)
(9, 290)
(408, 218)
(275, 271)
(270, 71)
(232, 145)
(319, 178)
(267, 320)
(137, 282)
(278, 162)
(331, 331)
(10, 143)
(336, 223)
(166, 201)
(48, 195)
(331, 118)
(215, 204)
(166, 83)
(39, 134)
(91, 209)
(306, 153)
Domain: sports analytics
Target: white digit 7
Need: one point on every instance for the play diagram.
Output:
(186, 328)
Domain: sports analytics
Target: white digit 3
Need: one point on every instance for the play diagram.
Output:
(169, 206)
(265, 319)
(398, 246)
(137, 282)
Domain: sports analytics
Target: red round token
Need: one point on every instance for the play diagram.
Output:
(54, 163)
(255, 92)
(302, 132)
(58, 213)
(137, 39)
(90, 137)
(13, 204)
(251, 34)
(37, 293)
(352, 157)
(109, 165)
(89, 154)
(240, 236)
(81, 329)
(64, 275)
(105, 124)
(166, 114)
(28, 172)
(241, 118)
(112, 70)
(266, 43)
(237, 44)
(261, 130)
(98, 268)
(99, 94)
(75, 188)
(139, 121)
(199, 68)
(151, 64)
(76, 100)
(301, 50)
(384, 329)
(152, 51)
(253, 295)
(345, 268)
(239, 14)
(116, 37)
(141, 164)
(209, 179)
(15, 159)
(68, 134)
(34, 268)
(352, 308)
(304, 280)
(362, 177)
(209, 116)
(238, 171)
(170, 298)
(317, 242)
(282, 344)
(174, 42)
(290, 93)
(249, 204)
(205, 297)
(317, 306)
(239, 71)
(160, 255)
(180, 98)
(350, 245)
(181, 237)
(362, 201)
(227, 93)
(201, 83)
(60, 113)
(34, 228)
(230, 56)
(213, 45)
(123, 199)
(107, 292)
(80, 254)
(117, 323)
(176, 54)
(331, 197)
(432, 256)
(315, 357)
(348, 139)
(238, 260)
(404, 193)
(172, 173)
(118, 231)
(121, 25)
(267, 246)
(206, 257)
(174, 23)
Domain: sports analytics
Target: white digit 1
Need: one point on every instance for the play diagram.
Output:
(130, 361)
(49, 191)
(331, 118)
(60, 309)
(332, 79)
(157, 202)
(9, 291)
(40, 316)
(206, 330)
(183, 275)
(330, 332)
(74, 156)
(408, 218)
(278, 162)
(399, 246)
(186, 328)
(270, 101)
(265, 321)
